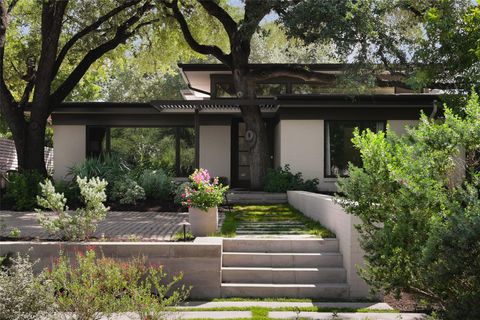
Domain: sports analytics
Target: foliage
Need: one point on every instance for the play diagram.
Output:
(418, 200)
(70, 190)
(79, 225)
(22, 189)
(154, 148)
(157, 184)
(107, 167)
(179, 191)
(428, 43)
(23, 295)
(202, 193)
(128, 191)
(92, 285)
(282, 180)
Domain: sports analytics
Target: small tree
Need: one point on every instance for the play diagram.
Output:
(418, 200)
(82, 223)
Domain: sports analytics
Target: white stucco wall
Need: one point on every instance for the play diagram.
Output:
(323, 209)
(398, 126)
(300, 143)
(69, 145)
(215, 144)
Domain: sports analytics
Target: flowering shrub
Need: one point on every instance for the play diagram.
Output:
(22, 294)
(202, 192)
(78, 225)
(94, 287)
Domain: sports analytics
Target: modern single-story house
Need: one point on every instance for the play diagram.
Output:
(309, 125)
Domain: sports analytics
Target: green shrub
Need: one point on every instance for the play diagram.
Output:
(22, 294)
(110, 168)
(71, 192)
(22, 189)
(282, 180)
(157, 184)
(128, 191)
(420, 219)
(78, 225)
(92, 285)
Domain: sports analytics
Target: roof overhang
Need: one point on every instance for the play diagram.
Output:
(267, 105)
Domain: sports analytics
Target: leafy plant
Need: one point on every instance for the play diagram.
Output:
(418, 198)
(282, 180)
(23, 295)
(92, 287)
(157, 184)
(22, 189)
(14, 233)
(127, 191)
(108, 167)
(80, 224)
(201, 192)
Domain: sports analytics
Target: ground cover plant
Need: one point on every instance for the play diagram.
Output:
(418, 197)
(247, 214)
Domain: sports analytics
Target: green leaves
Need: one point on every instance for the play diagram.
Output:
(418, 198)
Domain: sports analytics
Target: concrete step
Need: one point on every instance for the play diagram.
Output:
(282, 275)
(271, 228)
(297, 245)
(259, 290)
(267, 232)
(285, 260)
(239, 197)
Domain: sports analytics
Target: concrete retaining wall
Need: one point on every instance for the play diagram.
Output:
(322, 209)
(199, 261)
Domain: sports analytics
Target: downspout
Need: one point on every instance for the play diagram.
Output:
(435, 109)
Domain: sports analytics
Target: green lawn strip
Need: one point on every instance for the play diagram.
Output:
(306, 309)
(248, 214)
(268, 299)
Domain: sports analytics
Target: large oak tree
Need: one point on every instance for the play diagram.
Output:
(60, 40)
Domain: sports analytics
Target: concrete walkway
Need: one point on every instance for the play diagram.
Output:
(345, 316)
(119, 225)
(279, 304)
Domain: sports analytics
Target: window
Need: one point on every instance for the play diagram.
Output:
(262, 90)
(339, 149)
(168, 148)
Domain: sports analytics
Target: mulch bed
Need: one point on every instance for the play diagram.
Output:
(406, 303)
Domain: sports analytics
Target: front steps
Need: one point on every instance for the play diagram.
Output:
(294, 268)
(255, 197)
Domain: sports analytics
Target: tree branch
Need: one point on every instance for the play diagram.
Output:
(218, 12)
(92, 27)
(12, 5)
(293, 71)
(93, 55)
(202, 49)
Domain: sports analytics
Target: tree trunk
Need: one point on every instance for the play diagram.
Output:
(256, 138)
(256, 132)
(30, 147)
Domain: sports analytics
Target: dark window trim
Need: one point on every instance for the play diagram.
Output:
(325, 155)
(108, 140)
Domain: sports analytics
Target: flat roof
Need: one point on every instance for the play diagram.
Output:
(268, 105)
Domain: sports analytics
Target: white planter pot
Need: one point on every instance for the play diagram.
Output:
(203, 223)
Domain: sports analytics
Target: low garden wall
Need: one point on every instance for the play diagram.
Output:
(322, 208)
(200, 261)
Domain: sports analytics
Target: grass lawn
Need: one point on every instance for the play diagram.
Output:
(280, 217)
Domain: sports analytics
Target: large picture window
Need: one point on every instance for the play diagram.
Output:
(339, 149)
(169, 148)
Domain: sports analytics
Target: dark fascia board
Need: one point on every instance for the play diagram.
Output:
(290, 101)
(375, 100)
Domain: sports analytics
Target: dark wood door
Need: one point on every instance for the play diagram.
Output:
(240, 165)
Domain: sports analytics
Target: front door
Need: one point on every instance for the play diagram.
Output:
(241, 155)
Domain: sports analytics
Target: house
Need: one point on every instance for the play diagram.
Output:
(309, 125)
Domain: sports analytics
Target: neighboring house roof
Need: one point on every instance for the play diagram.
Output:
(8, 156)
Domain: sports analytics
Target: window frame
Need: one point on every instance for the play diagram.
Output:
(326, 134)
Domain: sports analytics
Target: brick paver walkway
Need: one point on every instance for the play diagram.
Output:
(119, 225)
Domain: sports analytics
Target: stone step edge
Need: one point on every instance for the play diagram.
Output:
(277, 240)
(285, 285)
(319, 269)
(310, 254)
